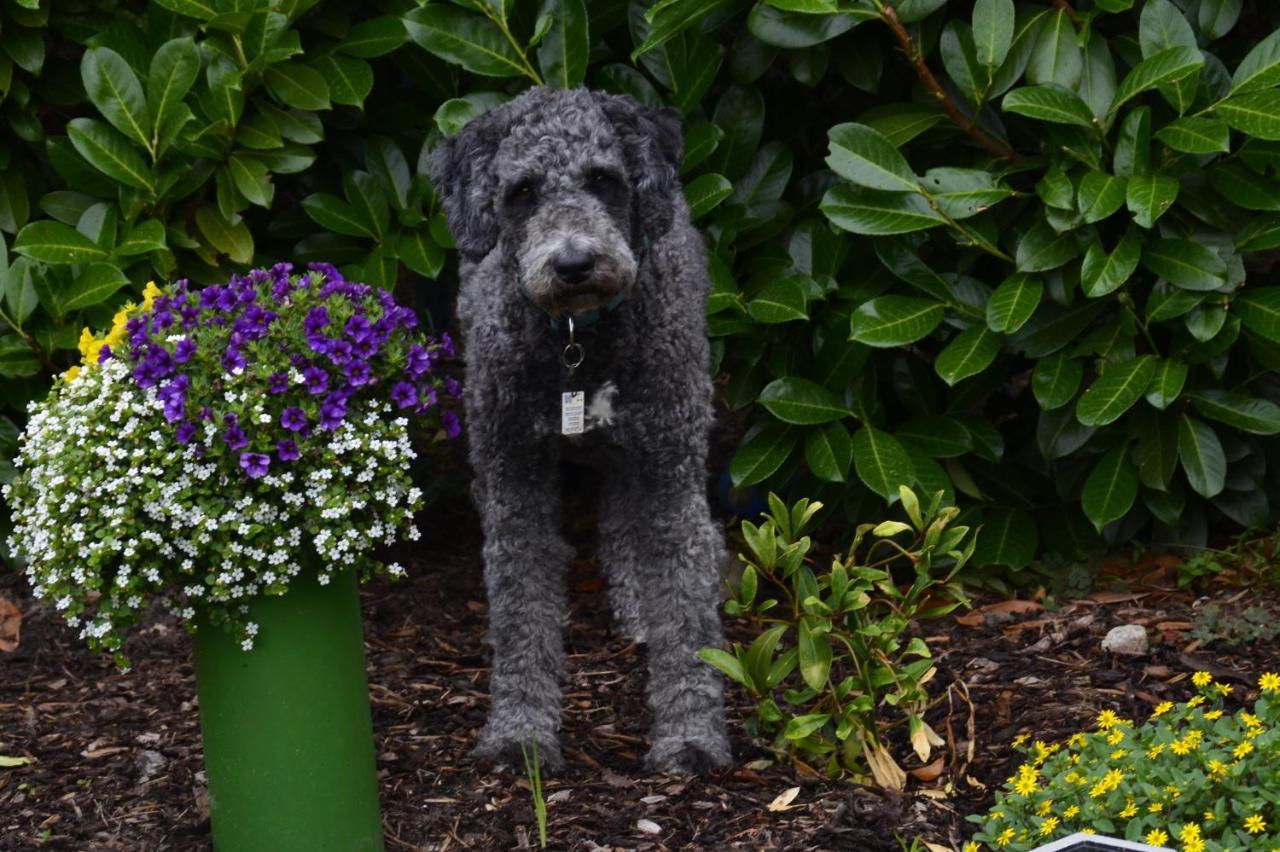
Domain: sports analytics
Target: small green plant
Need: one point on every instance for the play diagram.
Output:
(1191, 773)
(533, 771)
(1214, 624)
(1250, 560)
(835, 647)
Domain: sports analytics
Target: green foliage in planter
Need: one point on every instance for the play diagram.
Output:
(1191, 774)
(995, 249)
(835, 647)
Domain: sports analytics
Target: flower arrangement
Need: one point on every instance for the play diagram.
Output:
(216, 443)
(1193, 776)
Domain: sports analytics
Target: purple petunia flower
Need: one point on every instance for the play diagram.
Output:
(255, 464)
(452, 387)
(317, 318)
(404, 395)
(104, 353)
(277, 383)
(358, 373)
(358, 328)
(184, 350)
(452, 427)
(416, 362)
(340, 351)
(446, 344)
(293, 418)
(185, 433)
(233, 361)
(317, 380)
(287, 450)
(332, 412)
(225, 299)
(235, 438)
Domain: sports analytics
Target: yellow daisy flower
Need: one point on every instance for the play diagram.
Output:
(1108, 719)
(1255, 824)
(1243, 749)
(1162, 708)
(1202, 679)
(1269, 682)
(1157, 837)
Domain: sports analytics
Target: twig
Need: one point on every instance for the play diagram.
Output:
(952, 109)
(1065, 6)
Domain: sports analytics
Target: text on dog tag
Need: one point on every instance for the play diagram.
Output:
(572, 409)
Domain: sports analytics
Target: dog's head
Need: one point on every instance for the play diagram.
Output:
(574, 184)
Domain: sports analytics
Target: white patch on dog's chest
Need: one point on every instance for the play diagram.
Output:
(600, 409)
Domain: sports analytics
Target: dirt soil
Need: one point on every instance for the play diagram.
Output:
(117, 757)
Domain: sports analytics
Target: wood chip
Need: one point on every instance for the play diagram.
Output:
(648, 826)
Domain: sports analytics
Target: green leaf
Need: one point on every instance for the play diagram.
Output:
(894, 320)
(1260, 69)
(899, 123)
(374, 37)
(1098, 82)
(779, 301)
(796, 32)
(815, 665)
(1042, 249)
(146, 236)
(1167, 66)
(1156, 450)
(762, 454)
(1052, 103)
(251, 179)
(109, 152)
(727, 663)
(1103, 273)
(992, 31)
(1133, 146)
(1248, 414)
(961, 62)
(1055, 380)
(1162, 26)
(17, 360)
(1007, 537)
(1149, 196)
(1185, 264)
(1100, 195)
(1244, 187)
(562, 54)
(456, 113)
(881, 462)
(705, 192)
(940, 436)
(971, 352)
(421, 253)
(1259, 310)
(348, 80)
(334, 214)
(234, 241)
(58, 244)
(1218, 17)
(1013, 302)
(464, 39)
(368, 201)
(1115, 391)
(94, 285)
(877, 213)
(829, 452)
(1167, 302)
(1255, 114)
(1166, 382)
(962, 193)
(115, 90)
(1111, 488)
(1202, 457)
(1192, 135)
(669, 18)
(204, 10)
(795, 400)
(862, 155)
(173, 71)
(297, 85)
(1056, 56)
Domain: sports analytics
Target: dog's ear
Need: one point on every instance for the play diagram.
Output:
(652, 146)
(464, 179)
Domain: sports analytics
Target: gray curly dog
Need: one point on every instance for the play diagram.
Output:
(566, 207)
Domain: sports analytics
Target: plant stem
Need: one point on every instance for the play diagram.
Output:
(506, 31)
(952, 109)
(1066, 7)
(41, 355)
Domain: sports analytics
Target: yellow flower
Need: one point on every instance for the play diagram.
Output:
(1269, 682)
(1116, 736)
(1118, 754)
(1255, 824)
(1194, 737)
(1047, 827)
(1025, 785)
(1156, 837)
(1210, 816)
(1108, 719)
(1195, 701)
(1242, 750)
(1202, 679)
(1005, 838)
(1162, 708)
(149, 294)
(1217, 770)
(1213, 715)
(1071, 811)
(1130, 809)
(70, 375)
(1195, 844)
(1155, 751)
(1250, 733)
(1020, 739)
(1181, 747)
(1173, 791)
(1077, 740)
(86, 340)
(997, 814)
(1087, 830)
(1155, 808)
(1190, 831)
(1045, 807)
(971, 846)
(1223, 689)
(1249, 719)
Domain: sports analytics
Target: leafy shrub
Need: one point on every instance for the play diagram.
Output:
(1233, 628)
(995, 249)
(836, 650)
(1191, 773)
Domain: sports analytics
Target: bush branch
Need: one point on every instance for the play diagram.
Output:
(952, 109)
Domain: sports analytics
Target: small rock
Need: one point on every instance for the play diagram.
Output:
(1129, 640)
(648, 826)
(151, 763)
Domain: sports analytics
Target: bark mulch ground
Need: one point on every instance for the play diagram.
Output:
(117, 759)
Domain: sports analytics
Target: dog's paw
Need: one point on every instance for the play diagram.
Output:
(504, 749)
(690, 754)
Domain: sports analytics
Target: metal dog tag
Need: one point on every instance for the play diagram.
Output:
(572, 412)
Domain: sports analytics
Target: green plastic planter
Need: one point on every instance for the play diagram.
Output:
(288, 743)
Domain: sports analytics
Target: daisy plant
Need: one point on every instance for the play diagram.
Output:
(217, 443)
(1193, 777)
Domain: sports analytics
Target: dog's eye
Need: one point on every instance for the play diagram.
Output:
(522, 193)
(602, 178)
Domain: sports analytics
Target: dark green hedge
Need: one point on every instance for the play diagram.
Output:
(1015, 252)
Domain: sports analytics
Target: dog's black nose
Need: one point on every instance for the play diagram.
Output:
(573, 266)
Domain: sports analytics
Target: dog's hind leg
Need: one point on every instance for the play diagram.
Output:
(663, 553)
(525, 557)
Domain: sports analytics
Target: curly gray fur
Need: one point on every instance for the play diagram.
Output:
(530, 183)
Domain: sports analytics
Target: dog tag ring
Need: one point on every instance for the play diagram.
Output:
(573, 354)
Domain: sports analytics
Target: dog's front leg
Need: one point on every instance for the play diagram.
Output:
(525, 557)
(661, 534)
